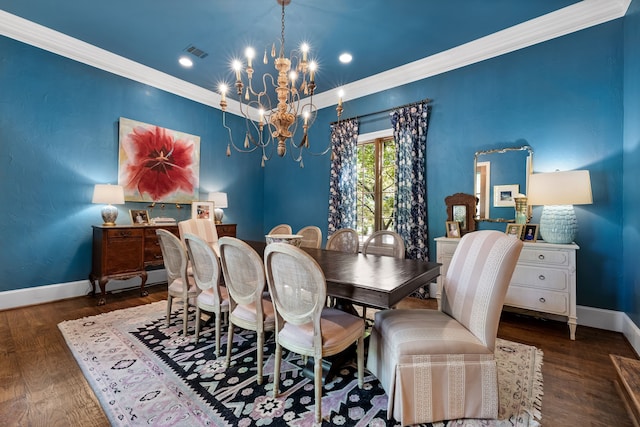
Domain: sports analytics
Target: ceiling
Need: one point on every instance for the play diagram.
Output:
(382, 36)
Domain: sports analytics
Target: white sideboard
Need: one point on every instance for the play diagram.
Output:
(544, 279)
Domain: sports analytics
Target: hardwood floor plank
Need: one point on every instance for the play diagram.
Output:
(42, 385)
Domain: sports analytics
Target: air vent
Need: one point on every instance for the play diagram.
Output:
(196, 52)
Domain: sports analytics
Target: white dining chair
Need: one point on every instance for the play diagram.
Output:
(281, 229)
(311, 237)
(344, 240)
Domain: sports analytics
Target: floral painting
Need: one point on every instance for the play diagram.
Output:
(158, 164)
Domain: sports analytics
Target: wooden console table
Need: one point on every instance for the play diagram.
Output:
(125, 251)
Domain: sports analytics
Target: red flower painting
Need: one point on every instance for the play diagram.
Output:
(158, 164)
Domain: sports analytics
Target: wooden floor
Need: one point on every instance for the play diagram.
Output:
(41, 384)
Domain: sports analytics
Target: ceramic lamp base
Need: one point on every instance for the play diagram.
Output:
(218, 214)
(558, 224)
(109, 215)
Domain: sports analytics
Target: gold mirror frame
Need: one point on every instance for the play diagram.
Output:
(482, 181)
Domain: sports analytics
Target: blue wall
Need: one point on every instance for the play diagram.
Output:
(59, 137)
(631, 147)
(58, 124)
(562, 97)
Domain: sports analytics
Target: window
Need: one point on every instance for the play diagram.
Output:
(375, 188)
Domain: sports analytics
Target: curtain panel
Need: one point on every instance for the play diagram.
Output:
(410, 132)
(343, 178)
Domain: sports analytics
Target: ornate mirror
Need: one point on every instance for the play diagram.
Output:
(499, 175)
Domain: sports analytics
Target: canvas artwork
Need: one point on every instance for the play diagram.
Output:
(156, 164)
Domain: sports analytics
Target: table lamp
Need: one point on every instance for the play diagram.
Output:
(110, 195)
(557, 192)
(219, 201)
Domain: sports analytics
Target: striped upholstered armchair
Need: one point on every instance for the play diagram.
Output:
(439, 364)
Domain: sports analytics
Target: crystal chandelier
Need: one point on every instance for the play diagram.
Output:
(267, 122)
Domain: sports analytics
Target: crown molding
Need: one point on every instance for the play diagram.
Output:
(576, 17)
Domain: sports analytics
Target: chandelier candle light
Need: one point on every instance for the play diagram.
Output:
(258, 110)
(558, 192)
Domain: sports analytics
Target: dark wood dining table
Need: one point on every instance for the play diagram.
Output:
(369, 280)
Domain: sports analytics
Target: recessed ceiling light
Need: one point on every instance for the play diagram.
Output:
(185, 62)
(345, 58)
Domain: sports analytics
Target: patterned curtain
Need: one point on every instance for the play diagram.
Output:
(343, 179)
(410, 132)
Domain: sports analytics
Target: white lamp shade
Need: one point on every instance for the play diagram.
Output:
(108, 194)
(560, 188)
(219, 200)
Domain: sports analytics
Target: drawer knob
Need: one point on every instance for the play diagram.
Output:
(541, 257)
(542, 300)
(541, 277)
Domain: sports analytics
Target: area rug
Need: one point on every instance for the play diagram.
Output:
(145, 373)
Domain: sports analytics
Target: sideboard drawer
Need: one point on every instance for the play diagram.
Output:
(538, 300)
(544, 256)
(124, 233)
(228, 230)
(543, 278)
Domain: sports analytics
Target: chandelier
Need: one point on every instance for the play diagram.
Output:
(269, 123)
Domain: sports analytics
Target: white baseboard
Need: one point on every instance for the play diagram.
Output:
(49, 293)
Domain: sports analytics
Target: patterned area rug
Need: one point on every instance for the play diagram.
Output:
(145, 373)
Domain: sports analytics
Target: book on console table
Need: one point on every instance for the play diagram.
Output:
(163, 221)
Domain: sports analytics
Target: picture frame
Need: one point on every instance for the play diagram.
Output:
(503, 195)
(202, 210)
(461, 208)
(453, 229)
(515, 230)
(530, 233)
(139, 216)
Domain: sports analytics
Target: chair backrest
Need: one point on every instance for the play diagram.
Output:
(297, 285)
(281, 229)
(385, 243)
(174, 255)
(243, 271)
(203, 228)
(477, 281)
(205, 264)
(311, 237)
(344, 240)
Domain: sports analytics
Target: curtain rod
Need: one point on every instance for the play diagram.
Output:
(426, 101)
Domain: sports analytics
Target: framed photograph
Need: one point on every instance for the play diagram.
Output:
(530, 233)
(139, 216)
(202, 210)
(453, 229)
(515, 230)
(503, 195)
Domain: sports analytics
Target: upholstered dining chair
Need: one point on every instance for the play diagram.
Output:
(281, 229)
(311, 237)
(243, 271)
(207, 273)
(344, 240)
(203, 228)
(385, 243)
(439, 364)
(180, 285)
(304, 324)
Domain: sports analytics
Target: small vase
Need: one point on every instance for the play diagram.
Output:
(521, 210)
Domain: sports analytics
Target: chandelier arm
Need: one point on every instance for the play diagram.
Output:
(224, 124)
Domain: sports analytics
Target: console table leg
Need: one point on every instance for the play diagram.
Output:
(143, 291)
(573, 323)
(103, 291)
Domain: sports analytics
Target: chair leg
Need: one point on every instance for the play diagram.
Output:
(185, 317)
(260, 351)
(276, 371)
(217, 314)
(169, 302)
(317, 378)
(229, 343)
(360, 351)
(198, 324)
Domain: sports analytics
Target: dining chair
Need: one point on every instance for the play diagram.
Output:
(281, 229)
(311, 237)
(385, 243)
(439, 364)
(304, 324)
(249, 309)
(344, 240)
(180, 285)
(207, 274)
(203, 228)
